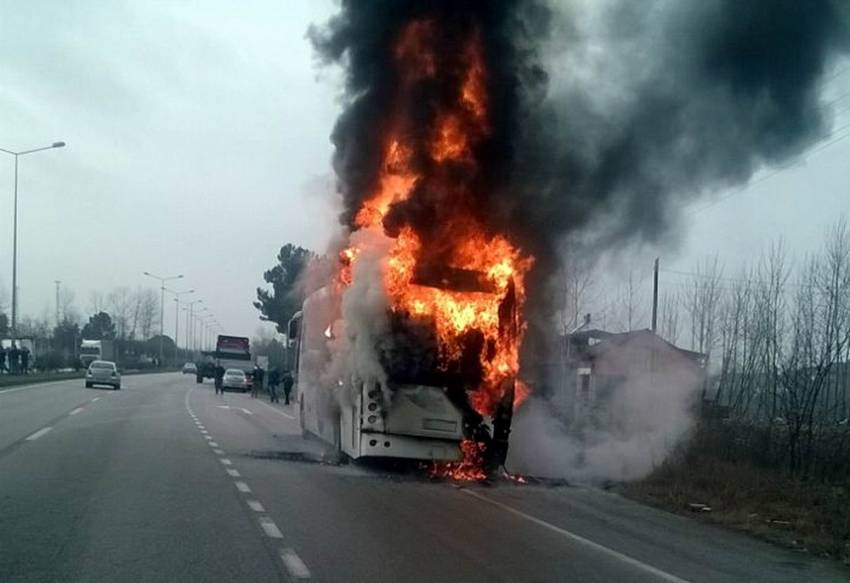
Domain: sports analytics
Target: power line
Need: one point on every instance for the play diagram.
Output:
(835, 134)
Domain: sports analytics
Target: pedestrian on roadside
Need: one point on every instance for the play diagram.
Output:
(25, 360)
(13, 359)
(219, 380)
(274, 381)
(288, 381)
(257, 382)
(3, 368)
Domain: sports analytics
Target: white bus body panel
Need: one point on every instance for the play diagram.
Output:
(419, 423)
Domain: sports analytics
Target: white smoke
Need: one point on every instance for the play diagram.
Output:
(364, 314)
(621, 435)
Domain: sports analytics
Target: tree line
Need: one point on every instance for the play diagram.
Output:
(129, 317)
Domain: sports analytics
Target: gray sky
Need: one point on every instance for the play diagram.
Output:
(198, 143)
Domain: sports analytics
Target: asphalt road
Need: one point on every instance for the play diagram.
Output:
(165, 481)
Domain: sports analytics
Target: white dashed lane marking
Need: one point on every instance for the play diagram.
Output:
(294, 564)
(75, 411)
(39, 433)
(291, 561)
(270, 528)
(95, 400)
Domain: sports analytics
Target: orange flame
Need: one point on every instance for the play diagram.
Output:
(464, 244)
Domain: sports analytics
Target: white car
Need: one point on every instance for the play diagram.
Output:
(103, 372)
(190, 368)
(235, 379)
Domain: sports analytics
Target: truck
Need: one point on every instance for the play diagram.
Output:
(426, 414)
(230, 352)
(91, 350)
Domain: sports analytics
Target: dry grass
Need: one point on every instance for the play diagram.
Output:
(814, 517)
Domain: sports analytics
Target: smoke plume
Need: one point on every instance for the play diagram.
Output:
(610, 113)
(604, 118)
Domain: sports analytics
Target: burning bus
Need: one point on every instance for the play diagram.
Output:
(410, 347)
(429, 400)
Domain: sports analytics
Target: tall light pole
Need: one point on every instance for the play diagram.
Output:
(190, 328)
(177, 295)
(15, 231)
(162, 281)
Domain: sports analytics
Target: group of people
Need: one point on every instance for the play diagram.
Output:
(14, 360)
(275, 380)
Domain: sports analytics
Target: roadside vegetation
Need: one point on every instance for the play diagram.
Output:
(771, 452)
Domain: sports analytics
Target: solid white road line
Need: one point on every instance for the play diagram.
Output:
(39, 433)
(226, 461)
(270, 527)
(256, 506)
(293, 563)
(218, 451)
(663, 575)
(276, 410)
(243, 487)
(75, 411)
(233, 473)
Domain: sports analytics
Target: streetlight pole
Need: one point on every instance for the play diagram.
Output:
(177, 295)
(190, 323)
(162, 281)
(15, 231)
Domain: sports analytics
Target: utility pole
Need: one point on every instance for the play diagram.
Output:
(58, 283)
(655, 298)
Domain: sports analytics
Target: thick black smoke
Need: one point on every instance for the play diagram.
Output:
(669, 100)
(606, 116)
(675, 99)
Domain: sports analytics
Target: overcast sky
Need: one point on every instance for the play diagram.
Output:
(198, 144)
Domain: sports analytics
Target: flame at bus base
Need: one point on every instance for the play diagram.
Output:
(445, 267)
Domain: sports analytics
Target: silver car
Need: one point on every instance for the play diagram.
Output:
(236, 379)
(103, 372)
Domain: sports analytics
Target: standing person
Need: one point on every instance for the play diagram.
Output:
(3, 360)
(288, 381)
(25, 360)
(274, 380)
(13, 358)
(257, 383)
(219, 379)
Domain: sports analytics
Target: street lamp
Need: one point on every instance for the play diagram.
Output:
(190, 330)
(177, 295)
(162, 281)
(15, 231)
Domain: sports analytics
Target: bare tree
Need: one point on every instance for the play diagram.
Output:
(701, 302)
(669, 316)
(121, 308)
(67, 311)
(148, 310)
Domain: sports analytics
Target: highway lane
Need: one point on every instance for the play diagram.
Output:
(165, 481)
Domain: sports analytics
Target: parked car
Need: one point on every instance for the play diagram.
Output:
(190, 368)
(236, 379)
(103, 372)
